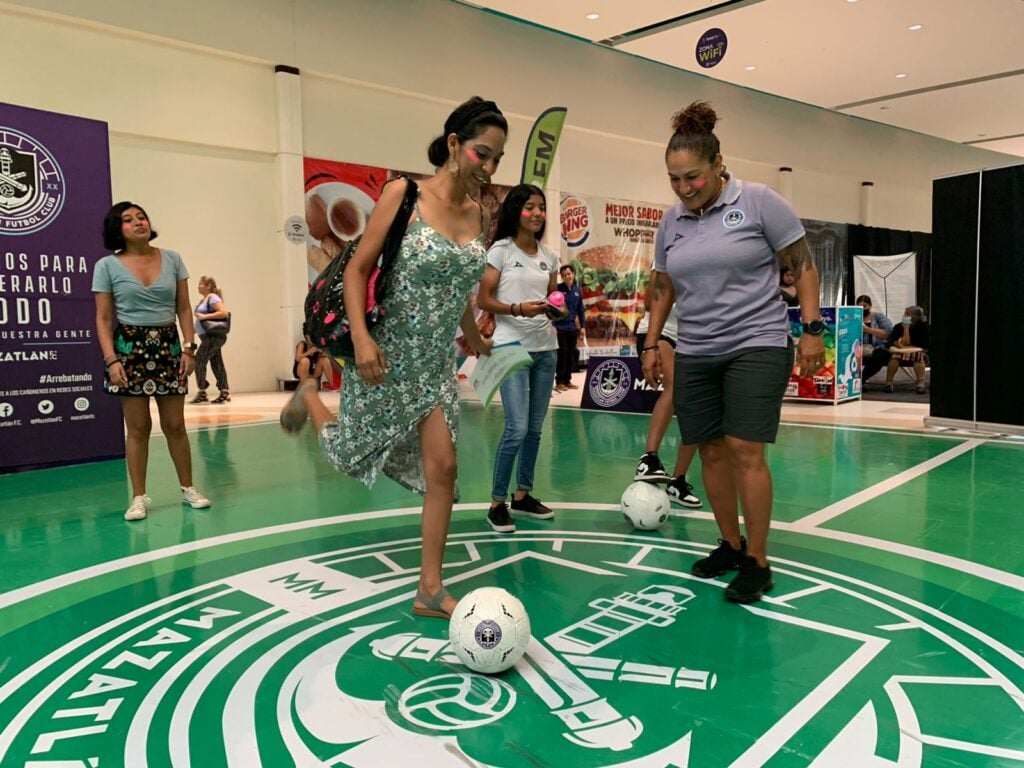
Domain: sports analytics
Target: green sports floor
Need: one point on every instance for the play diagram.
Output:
(275, 629)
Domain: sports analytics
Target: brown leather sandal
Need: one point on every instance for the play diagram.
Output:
(432, 606)
(295, 414)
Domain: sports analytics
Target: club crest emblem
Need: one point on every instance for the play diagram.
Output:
(733, 218)
(32, 189)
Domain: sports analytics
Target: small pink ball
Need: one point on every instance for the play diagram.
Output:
(556, 299)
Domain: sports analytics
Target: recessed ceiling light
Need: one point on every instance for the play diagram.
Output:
(901, 75)
(593, 16)
(851, 1)
(915, 27)
(751, 68)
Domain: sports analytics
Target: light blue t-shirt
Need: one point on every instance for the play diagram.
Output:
(725, 271)
(135, 303)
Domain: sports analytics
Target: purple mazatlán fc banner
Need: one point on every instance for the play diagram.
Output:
(54, 192)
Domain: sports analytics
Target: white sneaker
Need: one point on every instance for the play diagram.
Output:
(194, 498)
(138, 509)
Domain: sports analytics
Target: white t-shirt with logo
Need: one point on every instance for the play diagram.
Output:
(523, 278)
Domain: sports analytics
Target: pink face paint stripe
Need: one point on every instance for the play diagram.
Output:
(699, 184)
(472, 155)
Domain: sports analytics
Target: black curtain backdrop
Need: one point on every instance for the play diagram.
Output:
(875, 241)
(1000, 338)
(955, 221)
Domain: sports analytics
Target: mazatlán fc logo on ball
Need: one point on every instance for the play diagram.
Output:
(575, 220)
(31, 184)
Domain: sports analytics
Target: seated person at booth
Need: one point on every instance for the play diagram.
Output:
(310, 362)
(875, 344)
(909, 346)
(787, 286)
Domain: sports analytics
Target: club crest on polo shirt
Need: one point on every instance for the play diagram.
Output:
(733, 218)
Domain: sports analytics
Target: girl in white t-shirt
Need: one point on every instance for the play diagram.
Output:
(520, 274)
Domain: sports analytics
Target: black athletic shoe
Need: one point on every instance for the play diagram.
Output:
(650, 469)
(532, 507)
(751, 583)
(500, 520)
(723, 558)
(681, 492)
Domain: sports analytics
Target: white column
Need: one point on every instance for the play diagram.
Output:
(786, 183)
(290, 202)
(553, 194)
(867, 203)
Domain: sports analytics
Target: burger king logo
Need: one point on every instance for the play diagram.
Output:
(575, 220)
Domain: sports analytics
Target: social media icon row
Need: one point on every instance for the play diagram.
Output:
(45, 407)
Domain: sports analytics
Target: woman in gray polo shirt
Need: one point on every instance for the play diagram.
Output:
(717, 257)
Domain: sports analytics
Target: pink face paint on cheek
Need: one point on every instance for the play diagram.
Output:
(699, 184)
(472, 155)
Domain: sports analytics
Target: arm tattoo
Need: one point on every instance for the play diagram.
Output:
(661, 284)
(797, 256)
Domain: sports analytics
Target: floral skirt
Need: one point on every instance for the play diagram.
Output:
(151, 356)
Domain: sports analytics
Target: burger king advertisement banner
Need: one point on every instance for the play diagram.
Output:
(610, 243)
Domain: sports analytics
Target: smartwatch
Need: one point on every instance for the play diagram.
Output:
(815, 327)
(191, 346)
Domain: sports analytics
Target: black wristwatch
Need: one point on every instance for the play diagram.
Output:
(815, 327)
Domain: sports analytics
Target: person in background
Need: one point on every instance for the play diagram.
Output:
(311, 362)
(717, 257)
(787, 287)
(875, 344)
(650, 468)
(569, 329)
(212, 340)
(912, 332)
(400, 413)
(144, 288)
(520, 274)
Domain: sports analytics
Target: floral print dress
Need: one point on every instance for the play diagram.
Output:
(376, 430)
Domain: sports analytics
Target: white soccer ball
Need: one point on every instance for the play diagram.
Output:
(645, 505)
(489, 630)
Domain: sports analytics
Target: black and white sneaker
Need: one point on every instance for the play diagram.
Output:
(532, 507)
(681, 492)
(650, 469)
(500, 520)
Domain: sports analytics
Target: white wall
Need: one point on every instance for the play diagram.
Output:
(188, 91)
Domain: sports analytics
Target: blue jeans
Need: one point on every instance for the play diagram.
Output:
(525, 396)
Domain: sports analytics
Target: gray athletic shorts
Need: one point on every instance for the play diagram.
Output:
(738, 394)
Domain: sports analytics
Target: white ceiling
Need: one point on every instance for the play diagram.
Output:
(964, 68)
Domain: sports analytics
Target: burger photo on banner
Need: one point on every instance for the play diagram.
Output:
(610, 244)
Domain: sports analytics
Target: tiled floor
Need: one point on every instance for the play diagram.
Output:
(274, 629)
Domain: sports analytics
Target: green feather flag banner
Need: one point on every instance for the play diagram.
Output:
(540, 149)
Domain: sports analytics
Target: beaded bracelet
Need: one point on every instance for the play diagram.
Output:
(648, 349)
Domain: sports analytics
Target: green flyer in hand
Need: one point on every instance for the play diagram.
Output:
(490, 372)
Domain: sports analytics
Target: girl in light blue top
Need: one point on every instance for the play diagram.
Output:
(144, 289)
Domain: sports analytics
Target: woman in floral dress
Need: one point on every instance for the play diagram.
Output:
(399, 416)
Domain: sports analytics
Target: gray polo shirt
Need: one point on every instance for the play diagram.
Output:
(725, 271)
